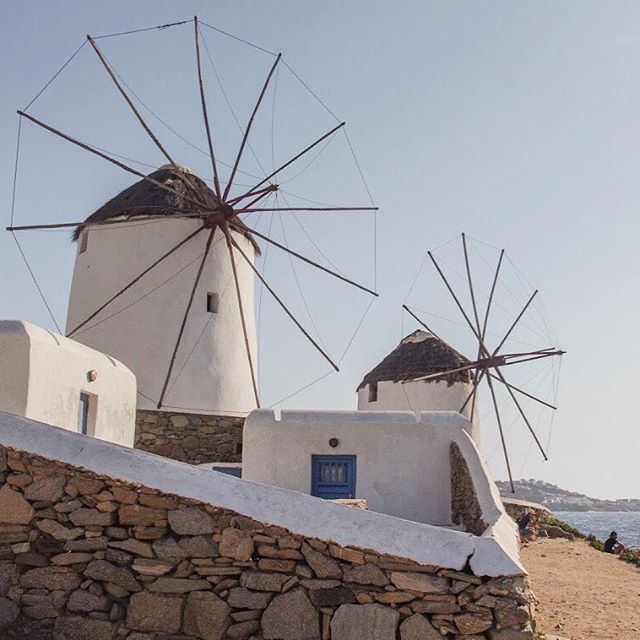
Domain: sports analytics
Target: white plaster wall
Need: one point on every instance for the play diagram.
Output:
(42, 375)
(492, 554)
(421, 395)
(402, 460)
(211, 372)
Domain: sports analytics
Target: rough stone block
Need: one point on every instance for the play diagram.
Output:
(81, 628)
(61, 578)
(366, 574)
(206, 615)
(323, 566)
(422, 582)
(153, 612)
(236, 544)
(364, 622)
(191, 521)
(46, 489)
(241, 598)
(15, 509)
(291, 616)
(417, 627)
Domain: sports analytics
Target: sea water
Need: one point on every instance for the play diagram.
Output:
(601, 523)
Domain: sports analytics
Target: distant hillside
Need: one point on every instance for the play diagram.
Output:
(558, 499)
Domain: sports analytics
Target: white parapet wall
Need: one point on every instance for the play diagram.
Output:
(402, 460)
(492, 554)
(43, 376)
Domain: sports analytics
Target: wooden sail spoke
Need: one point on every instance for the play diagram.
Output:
(521, 411)
(525, 393)
(205, 115)
(441, 374)
(515, 322)
(480, 330)
(250, 210)
(284, 307)
(270, 189)
(104, 156)
(128, 100)
(254, 382)
(248, 128)
(260, 196)
(433, 333)
(289, 162)
(185, 317)
(477, 379)
(458, 303)
(309, 261)
(134, 281)
(502, 438)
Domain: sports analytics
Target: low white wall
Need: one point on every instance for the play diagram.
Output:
(42, 375)
(402, 461)
(421, 395)
(296, 512)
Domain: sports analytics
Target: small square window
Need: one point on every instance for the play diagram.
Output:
(373, 392)
(212, 302)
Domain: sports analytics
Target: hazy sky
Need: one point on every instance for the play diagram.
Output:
(517, 122)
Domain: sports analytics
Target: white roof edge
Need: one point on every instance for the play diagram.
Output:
(301, 514)
(37, 334)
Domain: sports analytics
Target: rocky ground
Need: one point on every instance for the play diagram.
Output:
(583, 594)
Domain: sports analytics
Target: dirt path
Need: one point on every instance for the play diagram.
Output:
(583, 594)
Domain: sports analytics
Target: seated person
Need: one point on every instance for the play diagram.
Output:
(612, 545)
(527, 528)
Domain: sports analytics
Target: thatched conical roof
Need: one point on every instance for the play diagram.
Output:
(418, 354)
(144, 198)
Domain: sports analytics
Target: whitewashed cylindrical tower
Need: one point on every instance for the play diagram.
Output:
(392, 384)
(211, 374)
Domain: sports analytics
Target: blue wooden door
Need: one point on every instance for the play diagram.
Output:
(333, 477)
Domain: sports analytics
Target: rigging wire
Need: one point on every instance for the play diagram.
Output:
(375, 213)
(230, 35)
(523, 280)
(507, 312)
(273, 118)
(541, 332)
(359, 325)
(295, 275)
(55, 75)
(313, 159)
(233, 113)
(310, 90)
(35, 282)
(147, 397)
(15, 171)
(526, 403)
(197, 342)
(13, 205)
(176, 133)
(131, 31)
(306, 386)
(261, 294)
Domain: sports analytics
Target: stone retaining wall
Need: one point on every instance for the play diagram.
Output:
(84, 557)
(190, 437)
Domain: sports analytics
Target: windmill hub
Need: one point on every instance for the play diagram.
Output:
(226, 210)
(493, 361)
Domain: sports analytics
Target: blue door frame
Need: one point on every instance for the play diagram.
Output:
(333, 477)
